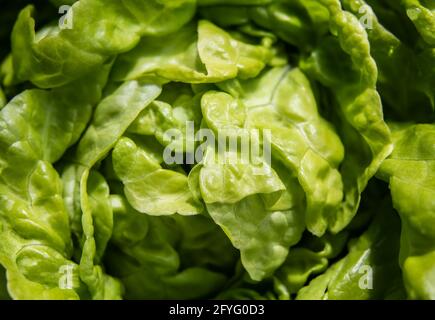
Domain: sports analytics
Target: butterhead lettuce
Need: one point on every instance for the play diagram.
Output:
(216, 149)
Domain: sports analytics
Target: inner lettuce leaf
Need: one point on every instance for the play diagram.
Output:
(172, 119)
(281, 100)
(310, 258)
(247, 198)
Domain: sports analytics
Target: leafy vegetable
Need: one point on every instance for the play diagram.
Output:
(196, 149)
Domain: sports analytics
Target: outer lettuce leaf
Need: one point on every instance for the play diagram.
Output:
(408, 90)
(344, 64)
(309, 258)
(312, 256)
(422, 14)
(62, 55)
(410, 171)
(167, 257)
(36, 129)
(111, 119)
(8, 15)
(197, 53)
(392, 15)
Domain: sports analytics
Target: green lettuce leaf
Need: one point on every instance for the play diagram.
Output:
(310, 258)
(282, 101)
(198, 53)
(299, 23)
(148, 187)
(60, 55)
(407, 92)
(343, 64)
(111, 119)
(410, 171)
(247, 198)
(370, 269)
(176, 257)
(422, 14)
(36, 129)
